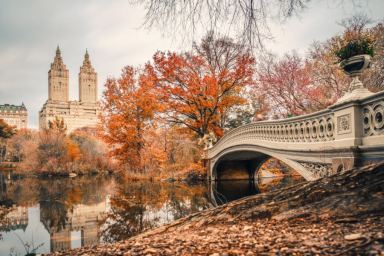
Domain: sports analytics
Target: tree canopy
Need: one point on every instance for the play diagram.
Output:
(6, 131)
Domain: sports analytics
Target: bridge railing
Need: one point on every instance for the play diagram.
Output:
(346, 121)
(373, 120)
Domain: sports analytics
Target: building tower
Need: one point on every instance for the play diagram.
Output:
(75, 114)
(87, 81)
(58, 79)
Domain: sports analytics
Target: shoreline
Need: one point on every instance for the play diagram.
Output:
(341, 214)
(189, 177)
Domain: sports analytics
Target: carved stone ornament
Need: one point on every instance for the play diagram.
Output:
(344, 124)
(373, 119)
(319, 170)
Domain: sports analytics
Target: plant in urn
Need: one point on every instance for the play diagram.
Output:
(354, 53)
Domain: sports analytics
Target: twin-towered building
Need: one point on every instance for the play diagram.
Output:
(75, 114)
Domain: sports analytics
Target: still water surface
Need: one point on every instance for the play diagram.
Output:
(64, 213)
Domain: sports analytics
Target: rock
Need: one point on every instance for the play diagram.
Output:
(150, 250)
(352, 237)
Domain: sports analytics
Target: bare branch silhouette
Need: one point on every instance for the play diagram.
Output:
(248, 18)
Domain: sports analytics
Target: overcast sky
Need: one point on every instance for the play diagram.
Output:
(30, 30)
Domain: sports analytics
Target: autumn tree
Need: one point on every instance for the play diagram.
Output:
(129, 104)
(52, 151)
(154, 156)
(248, 112)
(6, 131)
(294, 85)
(286, 84)
(375, 75)
(17, 144)
(221, 54)
(199, 88)
(25, 144)
(182, 151)
(89, 151)
(327, 73)
(55, 153)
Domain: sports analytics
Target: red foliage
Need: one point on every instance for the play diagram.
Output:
(288, 88)
(194, 93)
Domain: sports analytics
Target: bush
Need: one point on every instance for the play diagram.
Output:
(356, 39)
(356, 47)
(53, 152)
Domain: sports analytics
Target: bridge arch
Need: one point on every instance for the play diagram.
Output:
(347, 134)
(244, 161)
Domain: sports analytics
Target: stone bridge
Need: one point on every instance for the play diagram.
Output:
(347, 134)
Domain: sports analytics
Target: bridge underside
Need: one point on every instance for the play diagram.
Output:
(243, 162)
(240, 165)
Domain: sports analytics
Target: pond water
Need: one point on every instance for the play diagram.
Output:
(63, 213)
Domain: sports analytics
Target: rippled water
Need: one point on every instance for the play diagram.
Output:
(63, 213)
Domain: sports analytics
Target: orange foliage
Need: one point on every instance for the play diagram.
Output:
(198, 90)
(148, 115)
(73, 151)
(129, 104)
(154, 156)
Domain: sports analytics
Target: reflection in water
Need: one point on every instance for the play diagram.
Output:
(64, 213)
(59, 213)
(143, 205)
(228, 190)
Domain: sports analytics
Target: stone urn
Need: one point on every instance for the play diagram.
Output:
(354, 67)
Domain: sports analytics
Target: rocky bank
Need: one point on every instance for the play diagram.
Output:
(338, 215)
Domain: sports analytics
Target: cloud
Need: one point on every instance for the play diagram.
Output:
(111, 30)
(31, 30)
(318, 22)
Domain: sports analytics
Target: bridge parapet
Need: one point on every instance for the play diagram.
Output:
(335, 134)
(315, 127)
(373, 116)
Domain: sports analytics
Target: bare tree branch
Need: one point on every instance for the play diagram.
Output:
(248, 19)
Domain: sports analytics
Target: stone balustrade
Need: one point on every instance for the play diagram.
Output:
(308, 129)
(373, 117)
(334, 134)
(314, 127)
